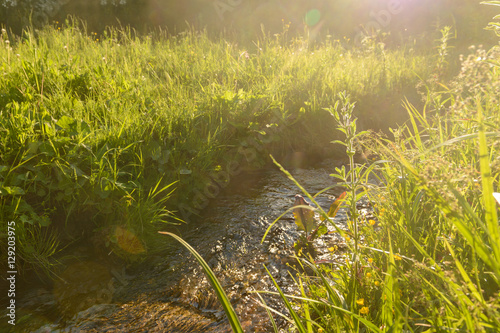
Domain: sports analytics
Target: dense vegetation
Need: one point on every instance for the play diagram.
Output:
(429, 261)
(108, 137)
(96, 130)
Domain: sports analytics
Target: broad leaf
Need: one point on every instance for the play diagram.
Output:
(304, 214)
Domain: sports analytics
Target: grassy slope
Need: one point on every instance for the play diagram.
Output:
(94, 129)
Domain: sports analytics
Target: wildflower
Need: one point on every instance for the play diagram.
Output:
(376, 283)
(331, 249)
(370, 260)
(347, 238)
(368, 275)
(372, 222)
(397, 257)
(360, 301)
(7, 42)
(364, 310)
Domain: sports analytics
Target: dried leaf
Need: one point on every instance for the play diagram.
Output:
(334, 208)
(128, 241)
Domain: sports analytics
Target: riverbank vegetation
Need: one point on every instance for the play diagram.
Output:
(109, 138)
(429, 259)
(98, 131)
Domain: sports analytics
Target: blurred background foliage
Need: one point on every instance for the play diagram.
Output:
(403, 19)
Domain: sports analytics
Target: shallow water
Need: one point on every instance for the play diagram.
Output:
(169, 292)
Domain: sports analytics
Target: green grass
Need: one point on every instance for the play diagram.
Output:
(430, 259)
(97, 132)
(94, 129)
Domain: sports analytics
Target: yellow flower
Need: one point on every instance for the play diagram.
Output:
(397, 257)
(372, 222)
(360, 301)
(331, 249)
(377, 283)
(347, 238)
(364, 310)
(370, 260)
(368, 275)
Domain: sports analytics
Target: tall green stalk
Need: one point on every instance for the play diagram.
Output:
(351, 179)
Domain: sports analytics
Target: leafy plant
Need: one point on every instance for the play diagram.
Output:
(305, 220)
(495, 26)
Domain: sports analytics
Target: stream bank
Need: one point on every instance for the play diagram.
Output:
(169, 292)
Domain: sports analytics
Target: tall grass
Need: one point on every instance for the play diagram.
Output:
(96, 128)
(429, 261)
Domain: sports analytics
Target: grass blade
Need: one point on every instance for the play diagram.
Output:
(487, 182)
(295, 316)
(221, 294)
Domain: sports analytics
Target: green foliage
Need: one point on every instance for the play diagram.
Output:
(90, 123)
(428, 261)
(495, 26)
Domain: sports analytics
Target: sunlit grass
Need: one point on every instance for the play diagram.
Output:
(429, 262)
(90, 123)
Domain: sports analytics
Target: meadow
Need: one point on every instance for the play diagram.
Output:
(98, 131)
(105, 137)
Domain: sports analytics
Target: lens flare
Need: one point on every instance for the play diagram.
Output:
(312, 17)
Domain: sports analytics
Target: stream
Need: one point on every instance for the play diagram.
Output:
(169, 292)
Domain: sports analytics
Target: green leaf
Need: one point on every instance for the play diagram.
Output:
(322, 230)
(70, 125)
(487, 182)
(226, 304)
(304, 214)
(11, 190)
